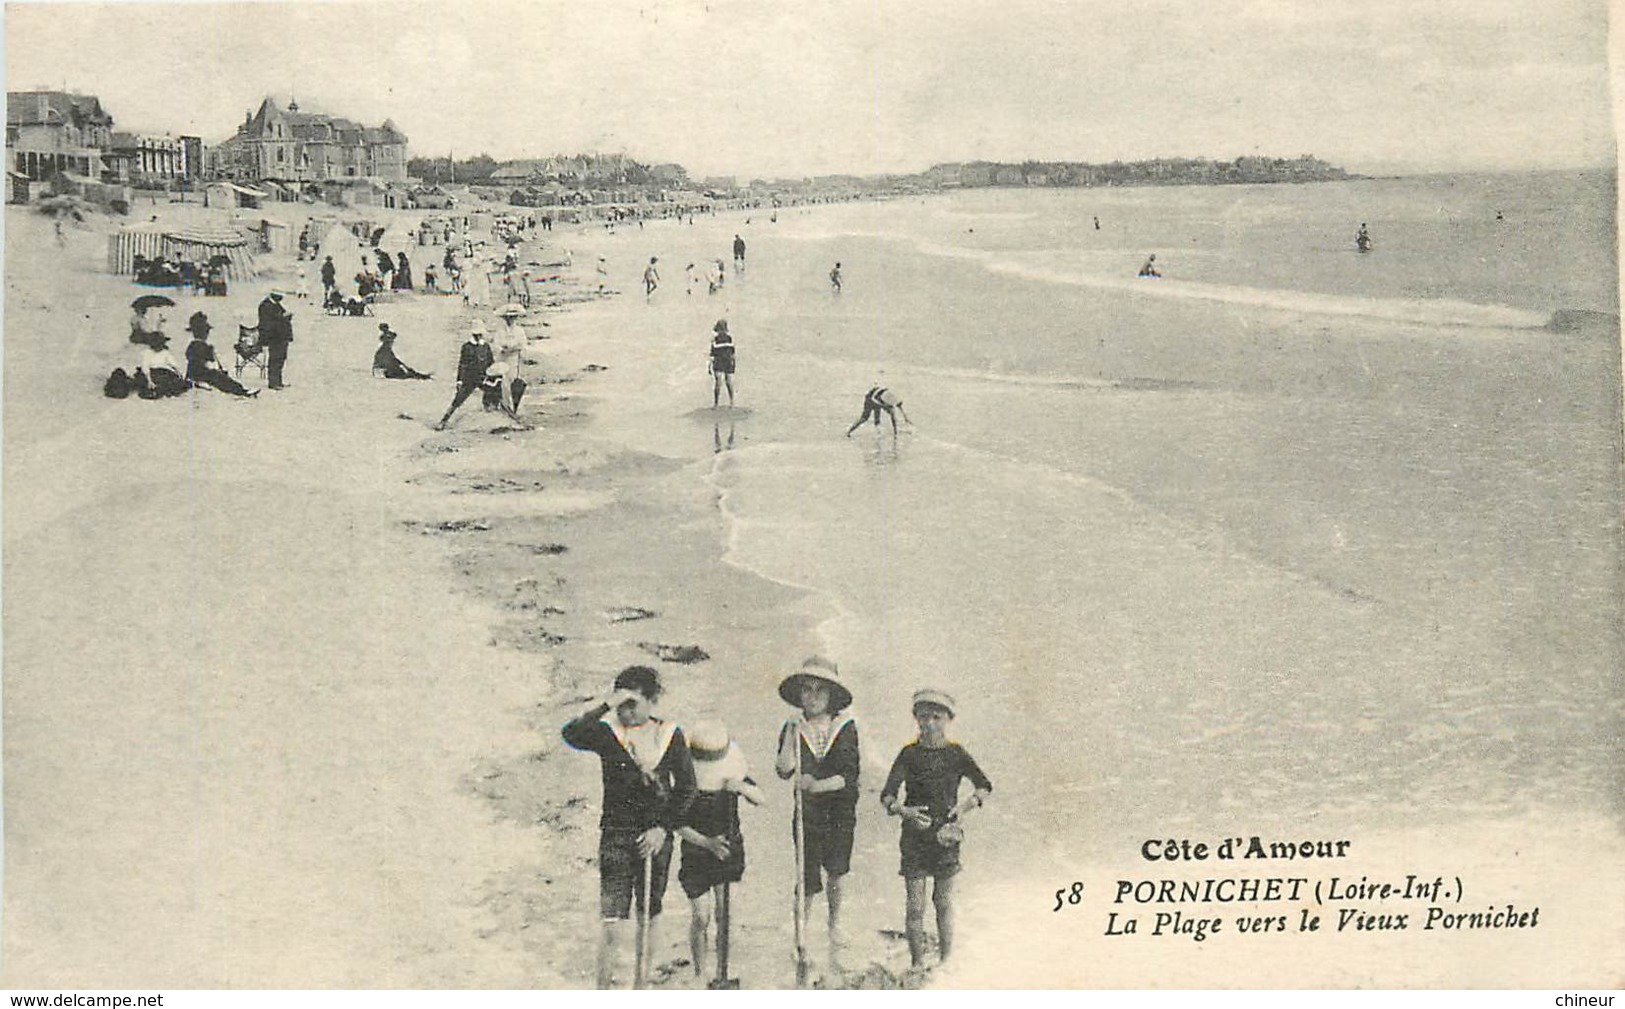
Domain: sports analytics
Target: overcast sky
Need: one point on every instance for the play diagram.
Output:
(819, 86)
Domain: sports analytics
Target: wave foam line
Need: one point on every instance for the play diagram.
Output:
(1205, 538)
(715, 476)
(1432, 312)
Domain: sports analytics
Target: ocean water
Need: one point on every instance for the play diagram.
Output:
(1290, 534)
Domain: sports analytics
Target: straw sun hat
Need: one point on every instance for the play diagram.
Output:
(716, 758)
(820, 670)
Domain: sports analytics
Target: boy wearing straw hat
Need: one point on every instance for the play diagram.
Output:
(819, 750)
(713, 843)
(929, 772)
(648, 778)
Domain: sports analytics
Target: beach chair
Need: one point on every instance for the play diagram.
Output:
(250, 351)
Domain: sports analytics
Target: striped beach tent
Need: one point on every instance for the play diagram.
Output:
(200, 245)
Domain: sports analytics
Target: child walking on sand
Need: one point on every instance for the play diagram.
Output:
(929, 771)
(648, 778)
(713, 844)
(818, 752)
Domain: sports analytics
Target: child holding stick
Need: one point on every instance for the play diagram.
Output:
(819, 750)
(713, 844)
(648, 787)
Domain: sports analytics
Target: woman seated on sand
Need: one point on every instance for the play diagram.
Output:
(384, 360)
(158, 376)
(338, 304)
(202, 366)
(146, 324)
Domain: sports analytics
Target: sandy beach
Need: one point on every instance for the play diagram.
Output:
(284, 677)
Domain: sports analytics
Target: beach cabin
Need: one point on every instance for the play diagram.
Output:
(275, 236)
(367, 193)
(279, 192)
(228, 195)
(17, 187)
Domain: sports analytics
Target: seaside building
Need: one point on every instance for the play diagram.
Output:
(288, 145)
(48, 132)
(147, 159)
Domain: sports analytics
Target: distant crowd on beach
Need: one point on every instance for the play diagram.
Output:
(662, 785)
(490, 362)
(465, 269)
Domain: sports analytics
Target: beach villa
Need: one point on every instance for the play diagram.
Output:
(293, 146)
(57, 131)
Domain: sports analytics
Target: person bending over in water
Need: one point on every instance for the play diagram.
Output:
(874, 401)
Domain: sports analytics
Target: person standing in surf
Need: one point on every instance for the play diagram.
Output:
(835, 279)
(928, 772)
(649, 785)
(722, 364)
(818, 754)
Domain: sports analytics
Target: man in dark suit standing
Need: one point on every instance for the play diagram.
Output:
(276, 332)
(473, 361)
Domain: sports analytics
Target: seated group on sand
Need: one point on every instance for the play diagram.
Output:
(156, 374)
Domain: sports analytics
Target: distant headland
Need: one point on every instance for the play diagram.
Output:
(1156, 172)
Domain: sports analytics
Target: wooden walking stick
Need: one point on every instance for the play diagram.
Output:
(722, 982)
(801, 872)
(640, 971)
